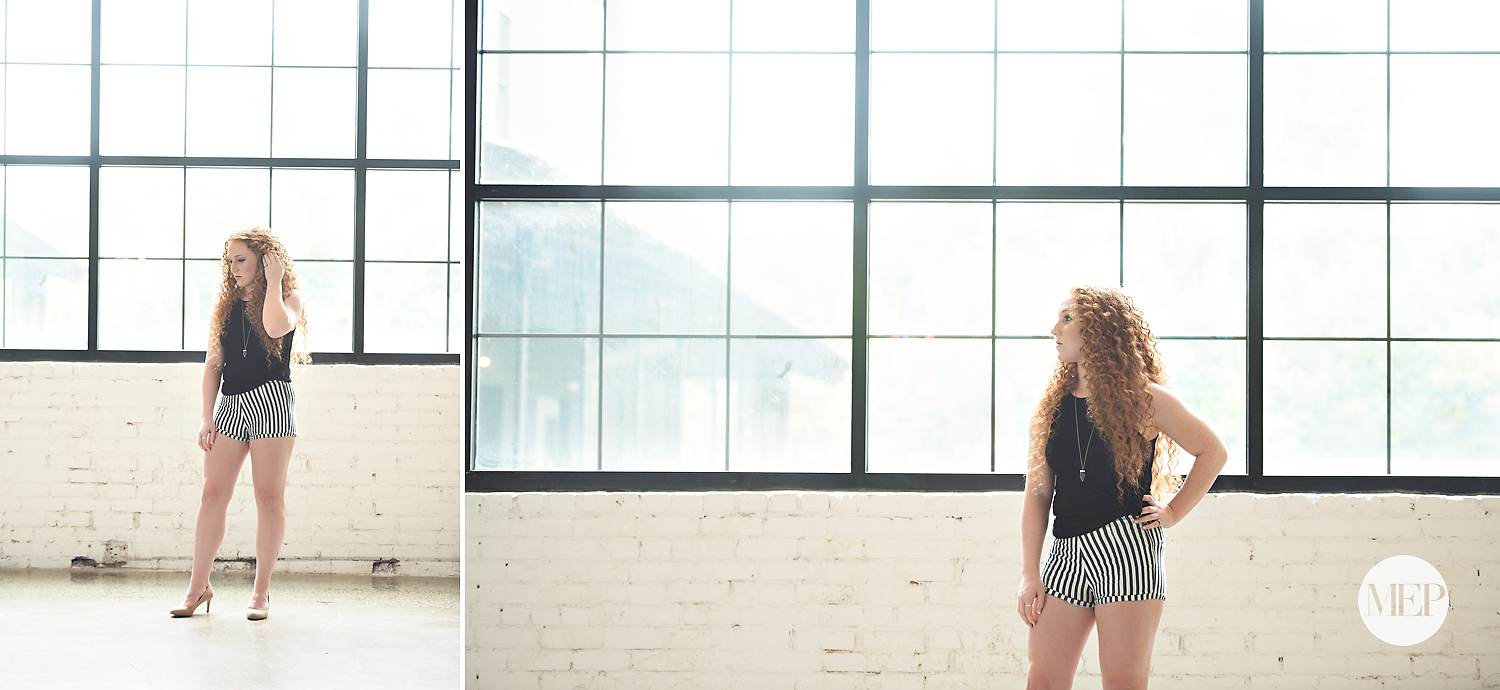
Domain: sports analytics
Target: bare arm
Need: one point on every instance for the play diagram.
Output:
(1037, 503)
(213, 367)
(280, 314)
(1194, 436)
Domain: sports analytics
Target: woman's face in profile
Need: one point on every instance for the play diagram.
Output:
(244, 264)
(1068, 334)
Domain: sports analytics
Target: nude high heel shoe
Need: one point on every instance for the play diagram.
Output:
(206, 599)
(259, 614)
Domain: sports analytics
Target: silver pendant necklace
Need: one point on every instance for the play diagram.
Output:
(245, 335)
(1083, 453)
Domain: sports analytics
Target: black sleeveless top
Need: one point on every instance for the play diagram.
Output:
(245, 360)
(1084, 506)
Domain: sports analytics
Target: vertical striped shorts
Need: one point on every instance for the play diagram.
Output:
(265, 411)
(1117, 562)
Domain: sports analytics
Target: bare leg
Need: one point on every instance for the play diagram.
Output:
(269, 458)
(1055, 644)
(1127, 631)
(221, 467)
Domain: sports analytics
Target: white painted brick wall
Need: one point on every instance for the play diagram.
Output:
(828, 591)
(96, 453)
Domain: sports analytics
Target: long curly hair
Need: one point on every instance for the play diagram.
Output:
(1122, 357)
(261, 241)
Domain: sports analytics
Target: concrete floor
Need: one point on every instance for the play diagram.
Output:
(96, 628)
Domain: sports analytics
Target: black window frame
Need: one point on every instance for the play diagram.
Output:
(1255, 195)
(360, 164)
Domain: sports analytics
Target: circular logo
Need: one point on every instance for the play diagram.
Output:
(1403, 600)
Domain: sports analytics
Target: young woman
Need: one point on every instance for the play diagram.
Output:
(1101, 456)
(249, 365)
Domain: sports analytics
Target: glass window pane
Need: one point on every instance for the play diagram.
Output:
(930, 271)
(1022, 370)
(1325, 270)
(665, 267)
(47, 110)
(457, 219)
(538, 267)
(789, 405)
(229, 111)
(406, 215)
(408, 114)
(51, 31)
(931, 119)
(46, 211)
(1325, 25)
(313, 212)
(1444, 25)
(802, 291)
(201, 293)
(229, 33)
(793, 119)
(404, 33)
(1042, 250)
(821, 25)
(1325, 120)
(140, 111)
(140, 213)
(1444, 259)
(46, 304)
(667, 25)
(221, 201)
(140, 304)
(1185, 119)
(1185, 266)
(1076, 25)
(1442, 127)
(542, 25)
(406, 307)
(328, 302)
(456, 326)
(929, 402)
(664, 404)
(1445, 398)
(540, 119)
(1325, 408)
(949, 25)
(666, 119)
(317, 32)
(1059, 120)
(536, 404)
(1209, 377)
(1186, 24)
(314, 113)
(143, 31)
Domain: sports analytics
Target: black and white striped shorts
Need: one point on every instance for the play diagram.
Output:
(265, 411)
(1117, 562)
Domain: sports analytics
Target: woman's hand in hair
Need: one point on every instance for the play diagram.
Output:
(273, 268)
(1156, 514)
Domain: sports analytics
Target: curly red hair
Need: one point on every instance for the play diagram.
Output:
(1122, 358)
(261, 241)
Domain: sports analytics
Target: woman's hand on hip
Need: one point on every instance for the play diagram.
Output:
(1155, 514)
(1029, 599)
(206, 434)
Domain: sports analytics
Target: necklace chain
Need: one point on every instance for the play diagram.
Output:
(1083, 452)
(244, 333)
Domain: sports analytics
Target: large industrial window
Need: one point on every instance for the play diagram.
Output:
(139, 134)
(820, 244)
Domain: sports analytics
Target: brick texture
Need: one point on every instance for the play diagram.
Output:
(101, 462)
(818, 591)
